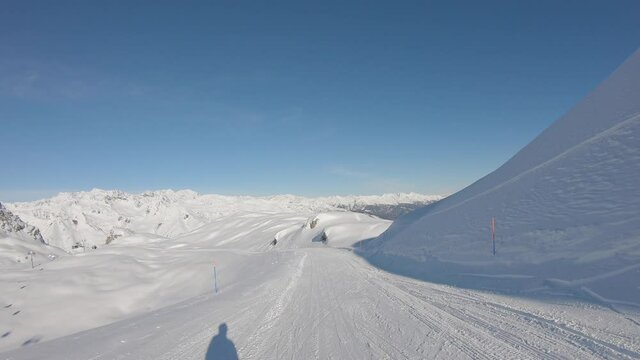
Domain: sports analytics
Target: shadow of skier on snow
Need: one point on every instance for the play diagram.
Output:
(221, 348)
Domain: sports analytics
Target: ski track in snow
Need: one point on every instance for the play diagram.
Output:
(329, 303)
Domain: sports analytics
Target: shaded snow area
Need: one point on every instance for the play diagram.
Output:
(567, 210)
(178, 275)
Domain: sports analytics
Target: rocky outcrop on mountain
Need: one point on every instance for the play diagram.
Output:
(12, 226)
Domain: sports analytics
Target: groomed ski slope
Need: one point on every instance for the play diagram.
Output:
(322, 302)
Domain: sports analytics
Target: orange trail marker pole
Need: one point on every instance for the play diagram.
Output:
(493, 234)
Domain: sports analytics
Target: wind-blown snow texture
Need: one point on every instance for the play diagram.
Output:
(567, 208)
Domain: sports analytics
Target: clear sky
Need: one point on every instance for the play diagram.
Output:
(310, 98)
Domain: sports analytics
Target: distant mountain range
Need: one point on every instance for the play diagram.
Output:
(98, 217)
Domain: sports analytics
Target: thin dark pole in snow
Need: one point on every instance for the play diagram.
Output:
(215, 279)
(493, 234)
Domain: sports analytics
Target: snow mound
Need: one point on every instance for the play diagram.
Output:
(334, 229)
(567, 208)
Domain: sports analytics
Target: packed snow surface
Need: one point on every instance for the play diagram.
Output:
(567, 210)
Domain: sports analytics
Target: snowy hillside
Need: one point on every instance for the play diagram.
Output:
(567, 208)
(98, 217)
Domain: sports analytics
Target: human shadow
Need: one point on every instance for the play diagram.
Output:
(221, 348)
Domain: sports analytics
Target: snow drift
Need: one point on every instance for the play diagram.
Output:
(567, 208)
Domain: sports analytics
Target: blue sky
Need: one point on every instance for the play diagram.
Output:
(310, 98)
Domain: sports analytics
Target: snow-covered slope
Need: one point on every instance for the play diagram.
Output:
(285, 301)
(567, 208)
(139, 273)
(98, 217)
